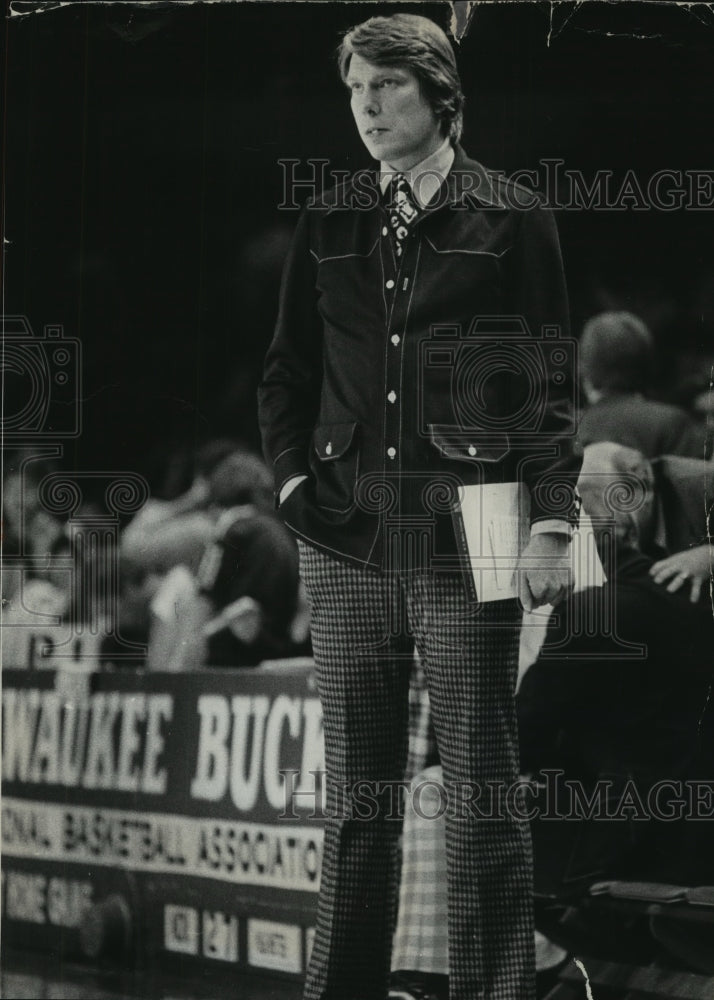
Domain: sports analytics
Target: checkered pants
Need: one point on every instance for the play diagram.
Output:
(365, 627)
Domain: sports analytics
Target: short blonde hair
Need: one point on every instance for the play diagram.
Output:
(418, 44)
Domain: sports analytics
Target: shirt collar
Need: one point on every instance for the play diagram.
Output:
(424, 178)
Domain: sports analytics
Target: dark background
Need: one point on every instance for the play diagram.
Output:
(142, 185)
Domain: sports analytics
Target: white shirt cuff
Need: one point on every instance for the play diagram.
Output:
(553, 525)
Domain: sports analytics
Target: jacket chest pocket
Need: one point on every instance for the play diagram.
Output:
(335, 463)
(348, 283)
(464, 253)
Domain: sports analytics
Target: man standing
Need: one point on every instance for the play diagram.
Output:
(402, 369)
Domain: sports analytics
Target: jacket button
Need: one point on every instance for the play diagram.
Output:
(392, 452)
(392, 397)
(390, 283)
(385, 231)
(395, 339)
(328, 448)
(472, 450)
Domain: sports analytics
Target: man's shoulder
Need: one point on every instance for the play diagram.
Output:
(490, 187)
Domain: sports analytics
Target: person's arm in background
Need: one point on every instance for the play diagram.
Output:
(289, 394)
(178, 614)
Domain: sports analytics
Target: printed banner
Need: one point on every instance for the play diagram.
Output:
(196, 798)
(284, 857)
(243, 745)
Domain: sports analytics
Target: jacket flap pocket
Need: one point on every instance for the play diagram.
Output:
(477, 235)
(331, 441)
(469, 444)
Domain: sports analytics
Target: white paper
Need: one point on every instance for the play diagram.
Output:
(496, 521)
(496, 527)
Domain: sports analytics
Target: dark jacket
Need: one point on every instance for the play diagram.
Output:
(254, 557)
(622, 681)
(685, 490)
(649, 426)
(390, 384)
(621, 694)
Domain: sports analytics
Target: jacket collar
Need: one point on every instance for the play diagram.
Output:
(467, 183)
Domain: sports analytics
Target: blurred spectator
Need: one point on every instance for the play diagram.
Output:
(168, 533)
(240, 608)
(165, 602)
(673, 526)
(35, 600)
(177, 614)
(29, 622)
(222, 572)
(595, 708)
(132, 620)
(616, 367)
(241, 478)
(45, 624)
(186, 465)
(27, 528)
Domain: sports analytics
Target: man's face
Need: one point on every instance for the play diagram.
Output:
(395, 122)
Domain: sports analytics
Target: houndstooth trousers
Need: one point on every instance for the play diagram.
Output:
(365, 627)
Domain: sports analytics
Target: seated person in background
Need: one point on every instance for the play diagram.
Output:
(149, 540)
(132, 619)
(238, 608)
(168, 533)
(29, 531)
(595, 708)
(589, 710)
(616, 367)
(31, 618)
(59, 612)
(195, 495)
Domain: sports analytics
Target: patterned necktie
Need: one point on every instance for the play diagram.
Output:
(403, 211)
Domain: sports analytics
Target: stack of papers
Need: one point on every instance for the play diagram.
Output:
(493, 528)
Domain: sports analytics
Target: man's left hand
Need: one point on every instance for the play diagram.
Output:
(545, 570)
